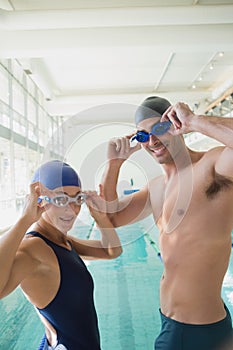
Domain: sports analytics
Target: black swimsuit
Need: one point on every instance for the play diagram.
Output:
(72, 311)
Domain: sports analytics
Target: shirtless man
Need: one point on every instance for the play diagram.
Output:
(192, 205)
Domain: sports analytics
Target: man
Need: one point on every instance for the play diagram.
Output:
(192, 205)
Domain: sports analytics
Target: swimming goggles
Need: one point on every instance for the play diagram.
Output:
(63, 200)
(157, 129)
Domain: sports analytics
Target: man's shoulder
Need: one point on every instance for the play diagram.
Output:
(214, 151)
(210, 155)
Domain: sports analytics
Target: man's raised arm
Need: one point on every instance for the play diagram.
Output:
(133, 207)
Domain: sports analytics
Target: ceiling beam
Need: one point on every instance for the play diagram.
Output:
(71, 105)
(200, 38)
(6, 5)
(115, 17)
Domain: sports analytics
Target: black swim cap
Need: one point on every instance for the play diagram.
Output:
(152, 106)
(55, 173)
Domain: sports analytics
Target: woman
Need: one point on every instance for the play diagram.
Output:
(46, 262)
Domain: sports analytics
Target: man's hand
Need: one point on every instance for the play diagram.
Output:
(121, 149)
(181, 117)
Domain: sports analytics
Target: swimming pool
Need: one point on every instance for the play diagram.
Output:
(126, 296)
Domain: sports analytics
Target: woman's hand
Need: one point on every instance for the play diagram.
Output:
(96, 205)
(32, 210)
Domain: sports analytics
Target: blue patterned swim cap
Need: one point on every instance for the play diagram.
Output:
(55, 173)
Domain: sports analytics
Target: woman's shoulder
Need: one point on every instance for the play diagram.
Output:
(34, 246)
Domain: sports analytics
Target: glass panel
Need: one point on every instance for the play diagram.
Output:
(43, 127)
(30, 86)
(41, 99)
(19, 124)
(17, 71)
(24, 112)
(4, 85)
(5, 171)
(42, 138)
(31, 112)
(50, 127)
(32, 132)
(7, 203)
(4, 115)
(18, 98)
(21, 178)
(34, 160)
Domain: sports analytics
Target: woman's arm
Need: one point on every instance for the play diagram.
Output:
(109, 247)
(15, 264)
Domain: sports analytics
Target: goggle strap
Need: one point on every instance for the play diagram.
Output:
(134, 138)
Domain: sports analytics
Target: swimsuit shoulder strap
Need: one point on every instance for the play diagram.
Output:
(51, 244)
(37, 234)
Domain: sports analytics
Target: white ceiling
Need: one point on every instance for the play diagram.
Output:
(84, 53)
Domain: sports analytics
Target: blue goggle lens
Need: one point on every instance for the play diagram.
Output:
(158, 129)
(141, 136)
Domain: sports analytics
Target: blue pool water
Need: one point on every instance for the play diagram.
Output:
(126, 297)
